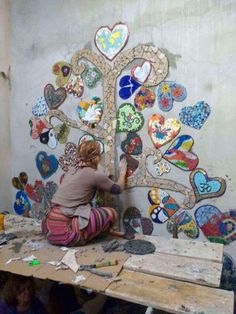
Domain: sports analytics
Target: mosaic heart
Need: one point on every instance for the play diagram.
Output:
(128, 86)
(128, 120)
(141, 73)
(49, 190)
(132, 144)
(162, 131)
(91, 76)
(48, 137)
(91, 113)
(132, 164)
(40, 109)
(47, 165)
(179, 153)
(69, 160)
(20, 181)
(205, 187)
(134, 222)
(88, 137)
(145, 98)
(217, 226)
(168, 92)
(195, 116)
(61, 132)
(54, 97)
(111, 41)
(185, 223)
(63, 71)
(163, 206)
(75, 86)
(22, 203)
(36, 191)
(36, 127)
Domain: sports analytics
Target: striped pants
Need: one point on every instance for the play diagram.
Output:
(62, 230)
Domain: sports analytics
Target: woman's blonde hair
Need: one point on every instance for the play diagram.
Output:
(89, 154)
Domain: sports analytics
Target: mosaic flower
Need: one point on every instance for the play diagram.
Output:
(162, 167)
(165, 88)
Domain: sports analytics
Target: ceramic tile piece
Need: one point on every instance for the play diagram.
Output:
(91, 76)
(145, 98)
(48, 137)
(132, 164)
(37, 126)
(75, 86)
(40, 109)
(61, 132)
(168, 92)
(134, 222)
(63, 71)
(132, 145)
(162, 207)
(128, 120)
(195, 116)
(36, 191)
(110, 41)
(141, 73)
(217, 226)
(47, 164)
(162, 131)
(127, 86)
(162, 167)
(206, 187)
(185, 223)
(22, 203)
(69, 159)
(54, 97)
(180, 155)
(20, 181)
(91, 112)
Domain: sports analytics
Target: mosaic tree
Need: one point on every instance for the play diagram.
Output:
(103, 119)
(107, 133)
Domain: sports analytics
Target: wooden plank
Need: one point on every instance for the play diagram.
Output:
(171, 295)
(190, 248)
(194, 270)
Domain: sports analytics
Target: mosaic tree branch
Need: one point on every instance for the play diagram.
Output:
(144, 179)
(152, 54)
(110, 74)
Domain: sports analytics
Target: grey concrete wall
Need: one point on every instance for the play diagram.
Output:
(5, 142)
(198, 38)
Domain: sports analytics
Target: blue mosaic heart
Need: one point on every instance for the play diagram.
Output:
(40, 109)
(22, 203)
(47, 165)
(128, 86)
(205, 187)
(195, 116)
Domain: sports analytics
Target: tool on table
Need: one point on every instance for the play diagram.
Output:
(92, 268)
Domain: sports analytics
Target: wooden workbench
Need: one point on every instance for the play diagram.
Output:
(182, 276)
